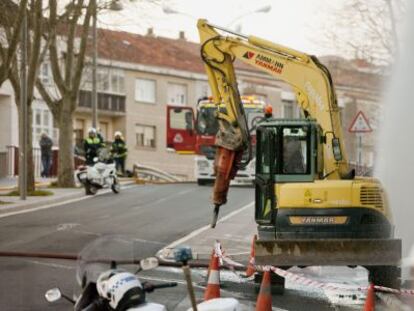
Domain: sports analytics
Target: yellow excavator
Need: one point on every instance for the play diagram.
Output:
(310, 207)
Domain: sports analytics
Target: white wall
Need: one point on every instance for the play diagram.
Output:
(9, 131)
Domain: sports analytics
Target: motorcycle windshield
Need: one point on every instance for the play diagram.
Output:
(103, 254)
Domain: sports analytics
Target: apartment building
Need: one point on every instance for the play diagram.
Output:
(138, 76)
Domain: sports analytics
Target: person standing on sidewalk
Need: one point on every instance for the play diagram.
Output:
(119, 152)
(46, 144)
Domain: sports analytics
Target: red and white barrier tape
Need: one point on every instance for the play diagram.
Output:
(306, 281)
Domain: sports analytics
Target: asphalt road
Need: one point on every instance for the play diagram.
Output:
(156, 215)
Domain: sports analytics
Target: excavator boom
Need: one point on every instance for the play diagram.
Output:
(310, 80)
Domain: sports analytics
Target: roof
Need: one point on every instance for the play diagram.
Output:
(185, 55)
(156, 51)
(354, 73)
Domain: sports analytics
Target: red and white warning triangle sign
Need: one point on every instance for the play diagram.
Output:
(360, 124)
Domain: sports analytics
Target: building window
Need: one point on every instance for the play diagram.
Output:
(102, 80)
(45, 73)
(117, 83)
(145, 135)
(177, 94)
(145, 90)
(108, 80)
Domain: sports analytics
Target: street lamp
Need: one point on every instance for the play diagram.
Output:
(23, 115)
(115, 5)
(264, 9)
(168, 10)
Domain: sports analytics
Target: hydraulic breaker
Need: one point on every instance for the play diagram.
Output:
(226, 165)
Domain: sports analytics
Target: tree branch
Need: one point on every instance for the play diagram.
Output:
(35, 60)
(70, 52)
(53, 50)
(82, 51)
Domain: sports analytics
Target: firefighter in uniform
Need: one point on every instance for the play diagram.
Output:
(91, 146)
(119, 152)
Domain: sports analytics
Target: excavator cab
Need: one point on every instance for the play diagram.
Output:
(288, 151)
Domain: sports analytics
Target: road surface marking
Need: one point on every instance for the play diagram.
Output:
(148, 241)
(39, 208)
(202, 229)
(64, 227)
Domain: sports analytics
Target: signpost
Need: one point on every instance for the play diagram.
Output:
(359, 126)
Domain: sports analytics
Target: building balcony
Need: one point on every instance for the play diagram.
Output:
(108, 104)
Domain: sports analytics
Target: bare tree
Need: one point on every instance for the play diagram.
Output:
(68, 35)
(11, 65)
(11, 17)
(367, 29)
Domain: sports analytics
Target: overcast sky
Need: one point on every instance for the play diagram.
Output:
(295, 23)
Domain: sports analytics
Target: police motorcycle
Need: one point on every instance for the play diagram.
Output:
(106, 275)
(102, 174)
(106, 279)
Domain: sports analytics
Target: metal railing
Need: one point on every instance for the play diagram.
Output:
(149, 173)
(106, 101)
(9, 162)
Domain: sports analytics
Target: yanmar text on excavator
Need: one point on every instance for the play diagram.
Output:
(310, 207)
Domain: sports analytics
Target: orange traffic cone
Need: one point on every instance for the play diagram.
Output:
(213, 283)
(264, 300)
(250, 266)
(370, 300)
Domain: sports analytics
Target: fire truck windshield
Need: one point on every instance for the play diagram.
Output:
(207, 123)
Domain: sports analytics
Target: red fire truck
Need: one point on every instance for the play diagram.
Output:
(190, 133)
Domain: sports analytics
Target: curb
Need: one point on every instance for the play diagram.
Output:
(37, 184)
(61, 200)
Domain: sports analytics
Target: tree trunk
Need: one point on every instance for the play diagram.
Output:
(65, 162)
(30, 180)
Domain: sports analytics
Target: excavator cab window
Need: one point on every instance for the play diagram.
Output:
(295, 143)
(294, 152)
(265, 167)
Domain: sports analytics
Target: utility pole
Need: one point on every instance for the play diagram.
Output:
(23, 112)
(94, 60)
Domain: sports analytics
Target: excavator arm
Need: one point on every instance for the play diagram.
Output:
(310, 80)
